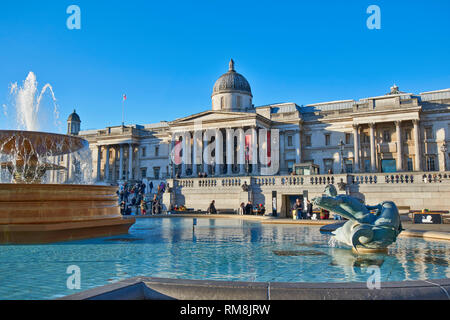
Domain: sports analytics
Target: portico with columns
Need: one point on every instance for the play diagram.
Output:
(226, 144)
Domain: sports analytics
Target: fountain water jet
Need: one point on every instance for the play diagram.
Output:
(34, 212)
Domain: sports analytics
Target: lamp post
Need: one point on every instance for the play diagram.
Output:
(444, 150)
(341, 148)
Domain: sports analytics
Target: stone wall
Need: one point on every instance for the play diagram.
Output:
(416, 190)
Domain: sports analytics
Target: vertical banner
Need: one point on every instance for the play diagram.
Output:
(177, 153)
(248, 148)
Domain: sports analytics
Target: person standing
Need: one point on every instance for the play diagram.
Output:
(151, 186)
(309, 209)
(249, 208)
(143, 207)
(241, 209)
(298, 208)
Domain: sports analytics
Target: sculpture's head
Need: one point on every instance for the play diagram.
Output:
(330, 190)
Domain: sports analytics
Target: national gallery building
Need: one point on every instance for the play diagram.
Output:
(394, 132)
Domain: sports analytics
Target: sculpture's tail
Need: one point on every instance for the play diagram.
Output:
(361, 235)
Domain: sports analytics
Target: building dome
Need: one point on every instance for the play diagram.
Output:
(231, 91)
(232, 81)
(74, 117)
(73, 123)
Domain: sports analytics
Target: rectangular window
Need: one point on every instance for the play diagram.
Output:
(347, 138)
(156, 151)
(239, 102)
(386, 136)
(409, 164)
(408, 134)
(365, 138)
(348, 165)
(156, 172)
(327, 139)
(366, 165)
(143, 173)
(144, 149)
(308, 140)
(328, 165)
(431, 165)
(290, 143)
(428, 133)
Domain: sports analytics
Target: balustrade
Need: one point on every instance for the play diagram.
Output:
(319, 180)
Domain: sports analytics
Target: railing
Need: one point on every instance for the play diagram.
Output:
(406, 178)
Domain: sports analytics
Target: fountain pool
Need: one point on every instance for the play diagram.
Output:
(217, 249)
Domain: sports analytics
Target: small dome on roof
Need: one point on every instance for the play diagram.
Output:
(74, 117)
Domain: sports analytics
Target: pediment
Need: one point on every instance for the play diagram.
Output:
(213, 116)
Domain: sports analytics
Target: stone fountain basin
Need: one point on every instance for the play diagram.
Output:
(41, 213)
(39, 143)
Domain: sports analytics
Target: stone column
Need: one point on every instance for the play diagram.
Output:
(356, 146)
(184, 147)
(255, 170)
(121, 163)
(241, 151)
(107, 164)
(99, 163)
(130, 162)
(417, 157)
(205, 155)
(282, 153)
(398, 129)
(114, 166)
(219, 152)
(298, 146)
(373, 165)
(172, 157)
(230, 151)
(195, 153)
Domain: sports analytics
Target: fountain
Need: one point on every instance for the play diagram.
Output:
(369, 229)
(32, 211)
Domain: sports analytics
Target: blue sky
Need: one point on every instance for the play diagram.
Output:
(166, 55)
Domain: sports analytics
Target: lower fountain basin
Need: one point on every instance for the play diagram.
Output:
(42, 213)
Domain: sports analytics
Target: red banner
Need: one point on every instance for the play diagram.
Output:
(177, 153)
(248, 148)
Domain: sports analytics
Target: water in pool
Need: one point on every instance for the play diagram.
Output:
(217, 249)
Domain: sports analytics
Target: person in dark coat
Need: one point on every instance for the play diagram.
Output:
(249, 208)
(212, 208)
(309, 209)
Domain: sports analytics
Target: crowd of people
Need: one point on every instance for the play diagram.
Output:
(299, 211)
(134, 199)
(244, 209)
